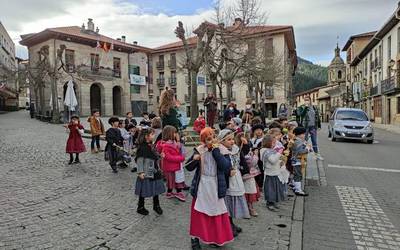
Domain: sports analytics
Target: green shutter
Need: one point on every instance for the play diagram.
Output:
(135, 89)
(134, 69)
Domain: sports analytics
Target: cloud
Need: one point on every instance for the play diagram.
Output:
(316, 23)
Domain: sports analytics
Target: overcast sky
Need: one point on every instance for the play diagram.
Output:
(317, 23)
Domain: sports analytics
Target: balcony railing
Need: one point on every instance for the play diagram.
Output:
(172, 81)
(172, 64)
(161, 82)
(160, 65)
(389, 85)
(374, 91)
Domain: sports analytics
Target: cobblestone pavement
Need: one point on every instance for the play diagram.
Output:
(47, 204)
(360, 206)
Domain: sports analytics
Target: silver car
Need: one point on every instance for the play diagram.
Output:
(350, 123)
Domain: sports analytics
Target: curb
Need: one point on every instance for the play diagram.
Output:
(315, 176)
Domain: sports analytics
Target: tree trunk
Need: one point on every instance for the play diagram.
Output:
(220, 99)
(41, 98)
(213, 80)
(194, 108)
(56, 112)
(228, 92)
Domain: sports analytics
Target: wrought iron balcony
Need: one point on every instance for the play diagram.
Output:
(389, 85)
(172, 64)
(172, 81)
(374, 90)
(161, 82)
(160, 65)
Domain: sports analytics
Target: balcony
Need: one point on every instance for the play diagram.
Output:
(160, 65)
(172, 81)
(172, 64)
(117, 73)
(161, 82)
(95, 73)
(373, 91)
(389, 85)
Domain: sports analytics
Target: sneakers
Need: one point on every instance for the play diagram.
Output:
(142, 211)
(169, 195)
(180, 196)
(195, 244)
(253, 212)
(318, 157)
(300, 193)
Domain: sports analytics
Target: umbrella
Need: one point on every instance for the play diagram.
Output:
(70, 97)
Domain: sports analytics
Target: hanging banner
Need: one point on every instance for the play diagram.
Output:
(201, 80)
(137, 80)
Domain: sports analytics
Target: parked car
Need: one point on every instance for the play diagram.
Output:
(350, 123)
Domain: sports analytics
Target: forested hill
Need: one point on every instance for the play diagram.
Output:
(309, 75)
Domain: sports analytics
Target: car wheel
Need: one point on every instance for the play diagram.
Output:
(370, 141)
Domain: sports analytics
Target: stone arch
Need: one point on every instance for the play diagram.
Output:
(97, 97)
(117, 98)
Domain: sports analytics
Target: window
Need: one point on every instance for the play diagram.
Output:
(70, 60)
(389, 43)
(117, 67)
(135, 89)
(398, 105)
(94, 62)
(339, 74)
(134, 69)
(172, 62)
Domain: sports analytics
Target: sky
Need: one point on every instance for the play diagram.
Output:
(318, 24)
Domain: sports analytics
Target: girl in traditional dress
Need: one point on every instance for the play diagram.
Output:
(252, 193)
(234, 199)
(209, 220)
(75, 143)
(149, 182)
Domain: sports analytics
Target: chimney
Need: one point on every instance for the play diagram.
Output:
(90, 24)
(83, 26)
(123, 38)
(97, 30)
(238, 22)
(135, 42)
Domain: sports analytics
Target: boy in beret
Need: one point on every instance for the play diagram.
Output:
(300, 148)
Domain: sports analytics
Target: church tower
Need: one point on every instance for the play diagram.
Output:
(337, 69)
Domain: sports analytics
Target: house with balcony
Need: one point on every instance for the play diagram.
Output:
(376, 72)
(109, 75)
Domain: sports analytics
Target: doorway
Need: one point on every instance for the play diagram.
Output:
(95, 97)
(117, 100)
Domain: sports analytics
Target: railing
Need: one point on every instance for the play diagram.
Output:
(374, 90)
(172, 64)
(172, 81)
(161, 82)
(388, 85)
(160, 65)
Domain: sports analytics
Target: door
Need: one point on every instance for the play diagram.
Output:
(95, 98)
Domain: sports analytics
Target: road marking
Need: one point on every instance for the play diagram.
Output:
(370, 226)
(364, 168)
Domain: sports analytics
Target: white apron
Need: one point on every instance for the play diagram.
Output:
(250, 186)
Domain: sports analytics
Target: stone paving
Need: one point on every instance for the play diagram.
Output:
(47, 204)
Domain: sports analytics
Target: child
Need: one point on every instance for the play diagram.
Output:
(157, 127)
(274, 188)
(180, 174)
(199, 124)
(146, 120)
(75, 143)
(237, 122)
(126, 158)
(256, 144)
(114, 140)
(250, 186)
(149, 182)
(234, 199)
(209, 218)
(134, 133)
(171, 160)
(300, 148)
(96, 129)
(277, 134)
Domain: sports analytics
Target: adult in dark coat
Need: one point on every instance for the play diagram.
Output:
(168, 112)
(212, 106)
(230, 112)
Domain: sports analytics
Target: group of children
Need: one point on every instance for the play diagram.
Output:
(232, 168)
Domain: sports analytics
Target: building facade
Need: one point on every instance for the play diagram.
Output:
(168, 70)
(109, 75)
(8, 72)
(375, 73)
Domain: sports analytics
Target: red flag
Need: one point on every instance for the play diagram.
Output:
(105, 47)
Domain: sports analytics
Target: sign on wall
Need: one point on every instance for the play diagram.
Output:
(201, 80)
(137, 79)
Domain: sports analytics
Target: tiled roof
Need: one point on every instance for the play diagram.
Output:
(77, 32)
(366, 34)
(176, 45)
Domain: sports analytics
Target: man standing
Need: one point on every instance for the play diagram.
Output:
(96, 129)
(211, 104)
(308, 117)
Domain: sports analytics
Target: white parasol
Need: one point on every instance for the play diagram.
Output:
(70, 98)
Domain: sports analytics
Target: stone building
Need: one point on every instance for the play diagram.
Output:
(168, 71)
(109, 75)
(8, 70)
(337, 81)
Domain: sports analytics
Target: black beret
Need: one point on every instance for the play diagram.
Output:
(299, 131)
(257, 126)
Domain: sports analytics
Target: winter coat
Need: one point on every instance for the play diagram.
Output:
(146, 160)
(229, 114)
(96, 126)
(173, 157)
(171, 119)
(303, 119)
(75, 143)
(224, 166)
(272, 162)
(211, 104)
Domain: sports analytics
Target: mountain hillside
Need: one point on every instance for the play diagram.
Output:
(309, 75)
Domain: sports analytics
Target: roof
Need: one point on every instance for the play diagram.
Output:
(389, 24)
(176, 45)
(362, 35)
(76, 32)
(310, 90)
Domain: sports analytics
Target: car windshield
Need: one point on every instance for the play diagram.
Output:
(351, 115)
